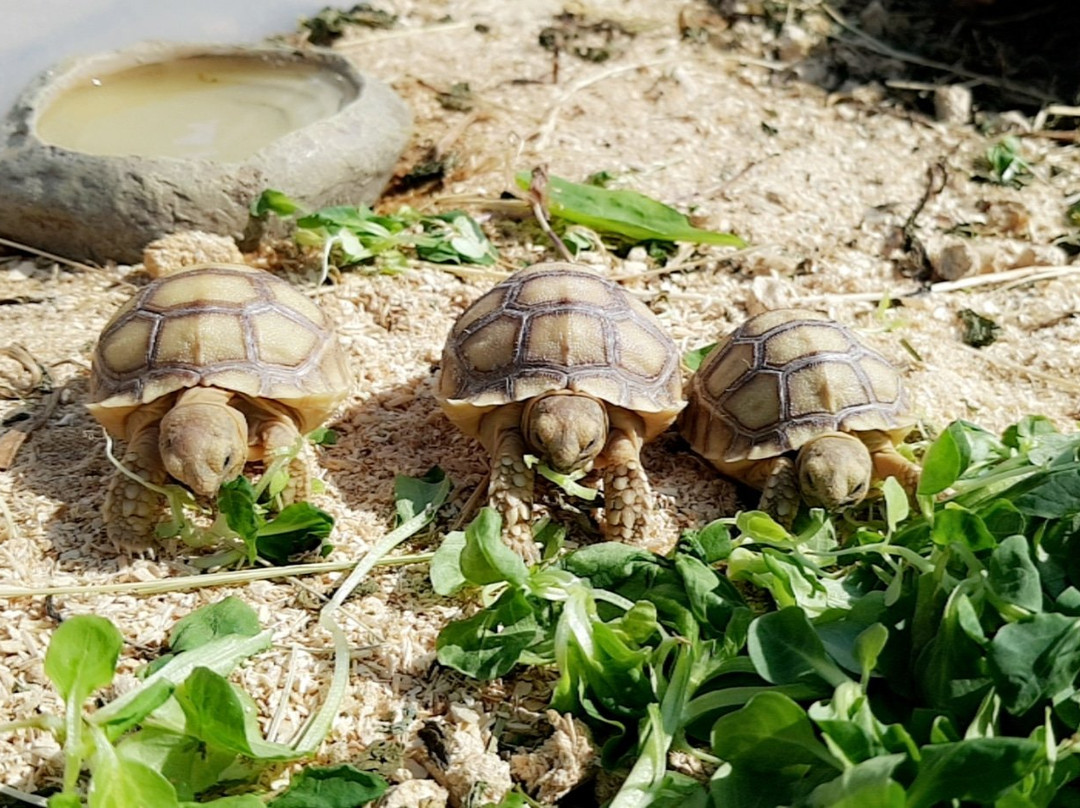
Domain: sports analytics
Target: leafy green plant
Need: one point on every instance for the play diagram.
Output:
(910, 657)
(1002, 164)
(185, 729)
(623, 214)
(349, 236)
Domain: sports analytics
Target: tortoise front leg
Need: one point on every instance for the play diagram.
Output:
(271, 433)
(890, 463)
(779, 485)
(131, 511)
(627, 498)
(510, 491)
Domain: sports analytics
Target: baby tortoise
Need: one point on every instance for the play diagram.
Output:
(561, 363)
(793, 404)
(202, 371)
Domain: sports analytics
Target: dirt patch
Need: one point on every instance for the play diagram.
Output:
(709, 109)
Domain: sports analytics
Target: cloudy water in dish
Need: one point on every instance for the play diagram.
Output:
(37, 35)
(214, 107)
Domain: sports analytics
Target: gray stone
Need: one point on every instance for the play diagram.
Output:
(97, 208)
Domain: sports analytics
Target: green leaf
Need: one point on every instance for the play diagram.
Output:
(980, 769)
(227, 616)
(1013, 577)
(221, 715)
(693, 359)
(868, 784)
(65, 801)
(236, 500)
(979, 331)
(235, 801)
(785, 650)
(769, 733)
(624, 213)
(608, 563)
(489, 644)
(445, 568)
(896, 503)
(868, 647)
(486, 559)
(341, 786)
(82, 656)
(144, 701)
(191, 765)
(323, 436)
(459, 240)
(220, 655)
(270, 201)
(299, 528)
(958, 447)
(122, 783)
(568, 482)
(1035, 659)
(712, 543)
(954, 523)
(761, 527)
(1053, 495)
(412, 495)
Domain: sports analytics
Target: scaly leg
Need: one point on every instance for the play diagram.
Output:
(276, 434)
(780, 490)
(131, 511)
(890, 463)
(627, 498)
(510, 492)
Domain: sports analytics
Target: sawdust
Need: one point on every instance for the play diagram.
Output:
(717, 125)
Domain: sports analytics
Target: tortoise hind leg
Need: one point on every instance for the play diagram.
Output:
(131, 511)
(627, 498)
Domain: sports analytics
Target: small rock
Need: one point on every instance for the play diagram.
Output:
(22, 271)
(416, 794)
(188, 248)
(952, 104)
(953, 259)
(1006, 218)
(874, 19)
(794, 44)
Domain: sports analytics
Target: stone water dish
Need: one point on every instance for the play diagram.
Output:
(76, 180)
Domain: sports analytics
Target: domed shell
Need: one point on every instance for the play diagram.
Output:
(557, 326)
(218, 325)
(784, 377)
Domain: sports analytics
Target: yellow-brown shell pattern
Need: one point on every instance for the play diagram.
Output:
(784, 377)
(557, 326)
(227, 326)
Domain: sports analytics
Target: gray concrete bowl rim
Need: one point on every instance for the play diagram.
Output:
(102, 207)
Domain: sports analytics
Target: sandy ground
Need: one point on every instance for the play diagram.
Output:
(728, 125)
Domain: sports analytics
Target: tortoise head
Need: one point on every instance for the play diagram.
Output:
(203, 445)
(566, 429)
(834, 471)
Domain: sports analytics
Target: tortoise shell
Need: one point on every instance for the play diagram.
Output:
(557, 326)
(218, 325)
(784, 377)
